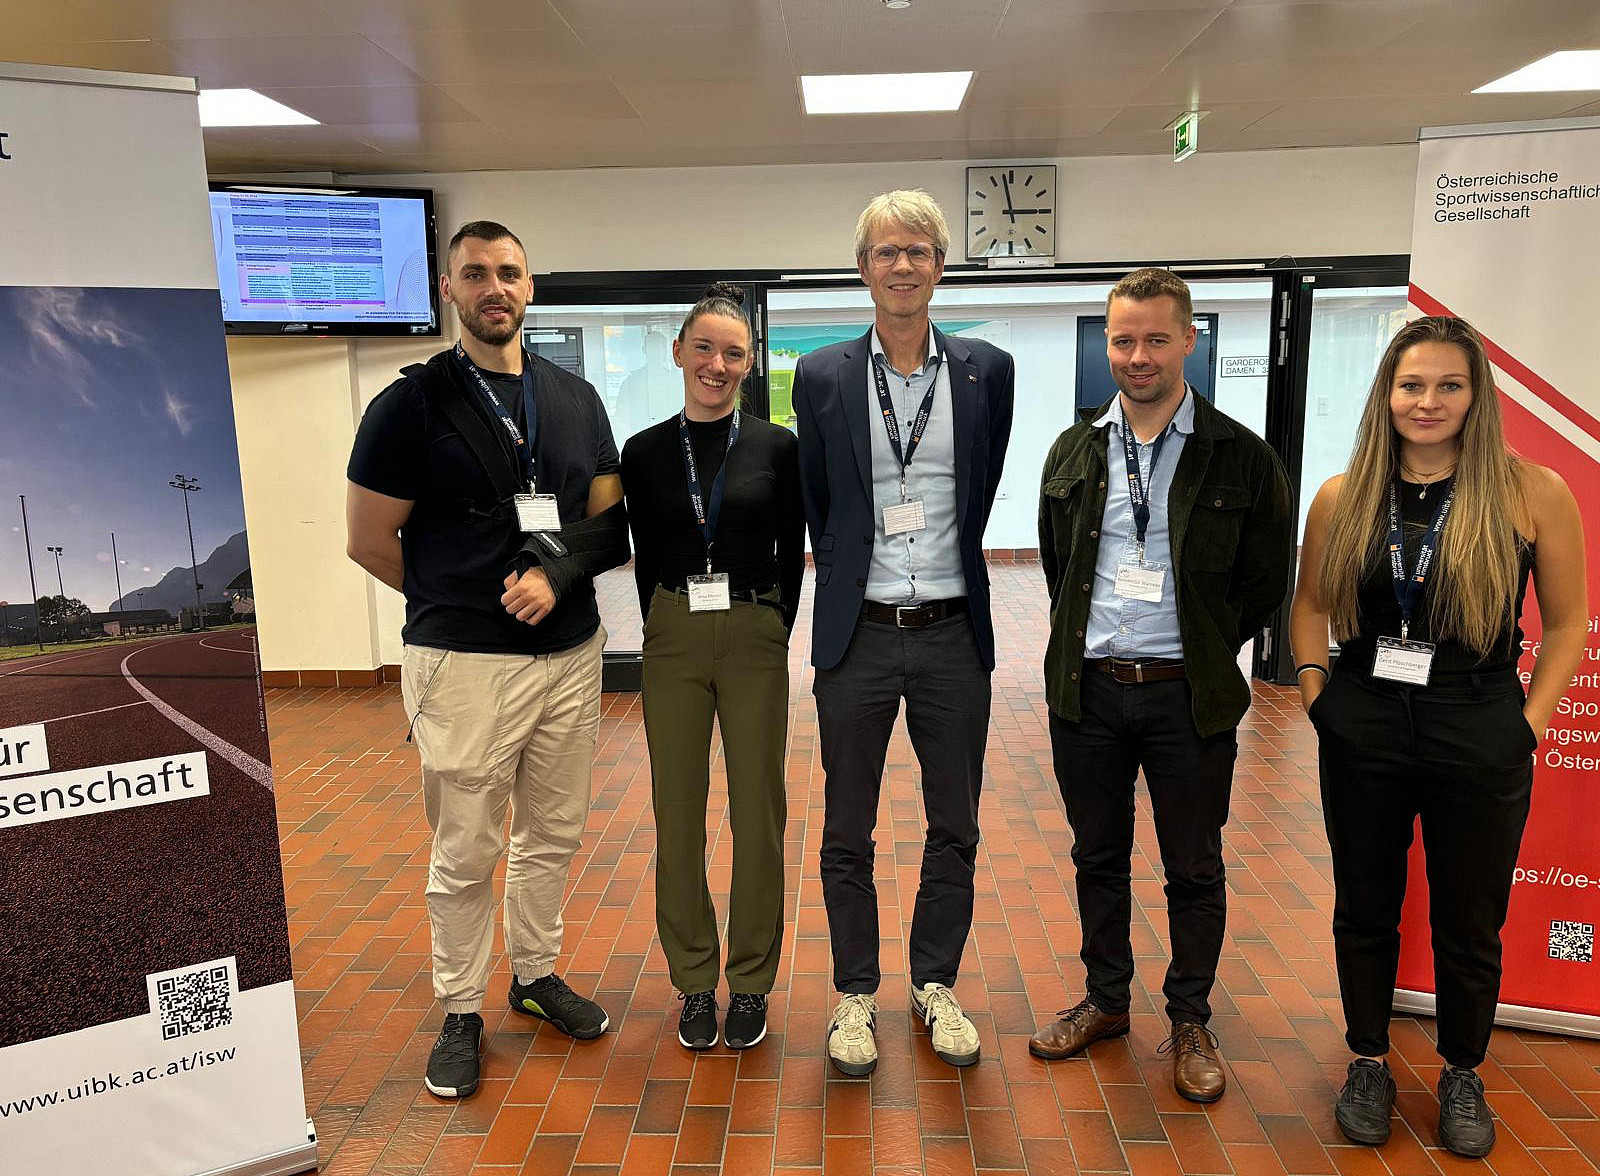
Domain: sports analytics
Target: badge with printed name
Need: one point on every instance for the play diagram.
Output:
(709, 593)
(1141, 581)
(1403, 661)
(538, 512)
(904, 517)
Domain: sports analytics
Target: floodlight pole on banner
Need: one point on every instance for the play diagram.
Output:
(33, 583)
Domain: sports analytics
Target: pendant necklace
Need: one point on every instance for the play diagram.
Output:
(1423, 493)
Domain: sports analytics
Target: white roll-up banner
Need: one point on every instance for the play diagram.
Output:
(149, 1024)
(1506, 234)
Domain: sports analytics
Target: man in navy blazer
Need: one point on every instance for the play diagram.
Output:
(903, 436)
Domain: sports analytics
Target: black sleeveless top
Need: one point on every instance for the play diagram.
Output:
(1379, 612)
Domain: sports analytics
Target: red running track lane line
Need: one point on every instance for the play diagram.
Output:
(245, 762)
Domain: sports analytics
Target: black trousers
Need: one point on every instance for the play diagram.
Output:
(1460, 757)
(1125, 728)
(938, 671)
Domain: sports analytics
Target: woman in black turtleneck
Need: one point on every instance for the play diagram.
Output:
(718, 537)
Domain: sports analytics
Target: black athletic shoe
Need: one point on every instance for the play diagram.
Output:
(697, 1024)
(453, 1064)
(1465, 1125)
(549, 999)
(747, 1019)
(1366, 1102)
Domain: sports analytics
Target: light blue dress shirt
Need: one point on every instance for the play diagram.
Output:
(923, 565)
(1136, 628)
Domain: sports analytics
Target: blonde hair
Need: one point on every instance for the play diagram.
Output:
(1476, 574)
(911, 207)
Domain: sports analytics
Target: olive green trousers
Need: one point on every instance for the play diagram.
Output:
(732, 666)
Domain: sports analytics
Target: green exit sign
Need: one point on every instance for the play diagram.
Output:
(1185, 136)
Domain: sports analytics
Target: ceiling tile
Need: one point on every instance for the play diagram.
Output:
(263, 62)
(1523, 32)
(195, 20)
(402, 16)
(348, 105)
(459, 57)
(817, 47)
(1101, 39)
(1302, 31)
(583, 13)
(665, 52)
(154, 57)
(1025, 122)
(539, 103)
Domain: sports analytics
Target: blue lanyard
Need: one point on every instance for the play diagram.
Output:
(706, 514)
(530, 405)
(919, 426)
(1137, 491)
(1408, 588)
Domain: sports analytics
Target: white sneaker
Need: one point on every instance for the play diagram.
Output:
(955, 1037)
(850, 1041)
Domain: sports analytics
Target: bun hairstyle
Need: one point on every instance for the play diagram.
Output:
(722, 298)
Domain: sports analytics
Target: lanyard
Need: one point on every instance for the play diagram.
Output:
(706, 514)
(1408, 589)
(523, 445)
(1137, 492)
(919, 426)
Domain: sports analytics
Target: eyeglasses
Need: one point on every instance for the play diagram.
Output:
(921, 256)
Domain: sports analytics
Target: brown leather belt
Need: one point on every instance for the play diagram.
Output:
(1133, 671)
(912, 616)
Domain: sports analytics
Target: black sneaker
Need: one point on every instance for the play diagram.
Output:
(1465, 1125)
(747, 1019)
(1366, 1102)
(453, 1063)
(697, 1024)
(549, 999)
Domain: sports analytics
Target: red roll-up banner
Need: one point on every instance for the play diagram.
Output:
(1507, 235)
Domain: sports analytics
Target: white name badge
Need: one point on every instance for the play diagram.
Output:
(709, 593)
(1141, 582)
(904, 517)
(1403, 661)
(538, 512)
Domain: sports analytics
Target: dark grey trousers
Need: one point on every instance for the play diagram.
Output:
(938, 671)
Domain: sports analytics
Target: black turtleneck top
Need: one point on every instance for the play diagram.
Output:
(760, 538)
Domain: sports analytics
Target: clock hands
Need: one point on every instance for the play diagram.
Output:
(1011, 212)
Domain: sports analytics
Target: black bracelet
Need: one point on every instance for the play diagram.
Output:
(1304, 666)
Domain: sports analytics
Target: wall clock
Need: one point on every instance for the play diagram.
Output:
(1011, 211)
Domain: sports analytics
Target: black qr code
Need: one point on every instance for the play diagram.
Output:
(1572, 941)
(194, 1002)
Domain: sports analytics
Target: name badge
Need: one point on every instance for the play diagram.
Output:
(709, 593)
(903, 517)
(1141, 582)
(1403, 661)
(538, 512)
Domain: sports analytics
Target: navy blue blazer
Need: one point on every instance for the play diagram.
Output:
(832, 416)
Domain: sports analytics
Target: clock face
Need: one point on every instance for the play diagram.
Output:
(1011, 211)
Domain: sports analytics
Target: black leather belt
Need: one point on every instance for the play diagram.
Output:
(1136, 670)
(766, 596)
(912, 616)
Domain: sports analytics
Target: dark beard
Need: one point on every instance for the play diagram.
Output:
(486, 332)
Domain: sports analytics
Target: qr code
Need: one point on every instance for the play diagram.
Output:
(192, 1002)
(1572, 941)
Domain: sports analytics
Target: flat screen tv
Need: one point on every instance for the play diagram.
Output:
(300, 260)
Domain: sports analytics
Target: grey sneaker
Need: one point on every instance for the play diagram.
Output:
(955, 1037)
(850, 1042)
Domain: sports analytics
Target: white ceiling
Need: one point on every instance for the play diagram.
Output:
(449, 85)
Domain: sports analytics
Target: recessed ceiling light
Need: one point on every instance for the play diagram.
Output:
(247, 108)
(897, 3)
(1571, 69)
(884, 93)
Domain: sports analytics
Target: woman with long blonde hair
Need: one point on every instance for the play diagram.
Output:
(1416, 559)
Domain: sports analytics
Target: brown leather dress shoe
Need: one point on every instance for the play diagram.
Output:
(1196, 1069)
(1077, 1028)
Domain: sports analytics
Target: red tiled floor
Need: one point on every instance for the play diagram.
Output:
(634, 1103)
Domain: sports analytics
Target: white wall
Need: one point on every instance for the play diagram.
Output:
(298, 400)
